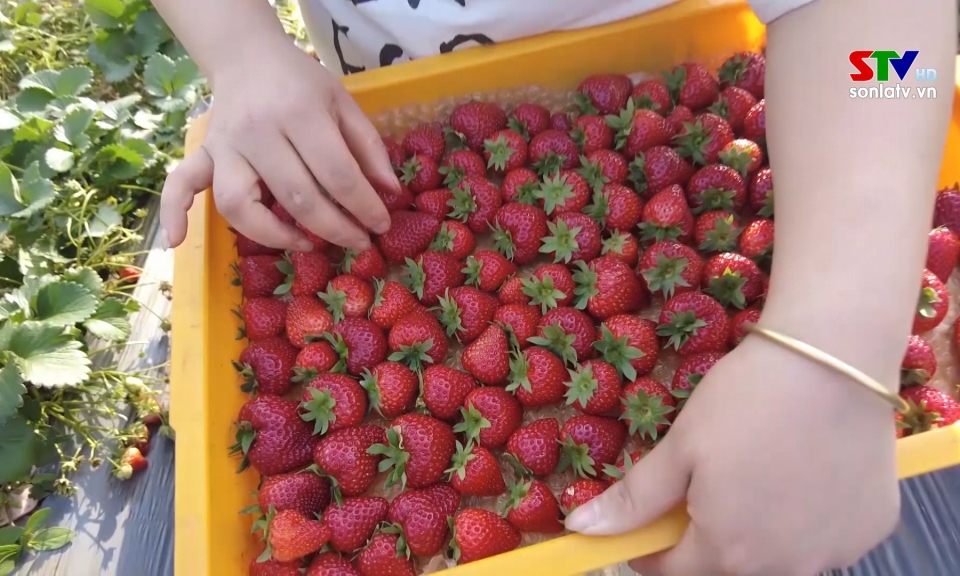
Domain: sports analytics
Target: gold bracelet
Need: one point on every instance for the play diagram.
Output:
(824, 359)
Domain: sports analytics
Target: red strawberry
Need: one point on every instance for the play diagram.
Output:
(504, 151)
(479, 534)
(360, 344)
(348, 296)
(445, 496)
(266, 366)
(512, 291)
(561, 122)
(327, 564)
(353, 522)
(271, 437)
(679, 116)
(263, 318)
(919, 362)
(589, 442)
(602, 167)
(293, 535)
(692, 85)
(270, 567)
(399, 199)
(579, 492)
(410, 234)
(551, 285)
(392, 389)
(460, 163)
(652, 95)
(529, 119)
(432, 274)
(658, 168)
(475, 121)
(466, 312)
(756, 240)
(247, 247)
(744, 156)
(422, 520)
(932, 305)
(343, 455)
(434, 202)
(691, 370)
(259, 275)
(306, 273)
(648, 408)
(490, 415)
(594, 388)
(942, 254)
(421, 173)
(417, 451)
(456, 239)
(304, 492)
(536, 446)
(930, 408)
(591, 133)
(603, 93)
(761, 193)
(572, 236)
(733, 105)
(517, 231)
(606, 286)
(475, 202)
(391, 302)
(617, 207)
(444, 390)
(380, 557)
(425, 139)
(717, 231)
(624, 464)
(568, 333)
(693, 322)
(746, 70)
(332, 402)
(282, 214)
(476, 472)
(519, 321)
(702, 140)
(630, 344)
(671, 268)
(733, 279)
(532, 507)
(488, 270)
(638, 131)
(417, 340)
(622, 245)
(537, 377)
(313, 359)
(566, 191)
(755, 124)
(487, 357)
(520, 185)
(367, 264)
(716, 187)
(737, 332)
(552, 150)
(666, 216)
(947, 209)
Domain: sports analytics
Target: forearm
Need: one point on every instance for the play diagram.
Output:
(854, 178)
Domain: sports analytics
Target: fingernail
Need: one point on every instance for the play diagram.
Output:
(382, 226)
(363, 244)
(304, 246)
(584, 518)
(164, 239)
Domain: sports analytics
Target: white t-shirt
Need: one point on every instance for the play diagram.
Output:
(355, 35)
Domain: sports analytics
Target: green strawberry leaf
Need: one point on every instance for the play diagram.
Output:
(50, 539)
(173, 83)
(21, 448)
(11, 392)
(64, 303)
(48, 356)
(100, 224)
(110, 321)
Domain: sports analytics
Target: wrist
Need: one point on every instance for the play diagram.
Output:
(243, 50)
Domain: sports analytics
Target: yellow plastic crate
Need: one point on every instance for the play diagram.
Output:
(211, 539)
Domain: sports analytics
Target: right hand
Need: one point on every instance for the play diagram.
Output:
(281, 118)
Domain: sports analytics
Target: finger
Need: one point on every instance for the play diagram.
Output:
(366, 144)
(236, 192)
(322, 148)
(657, 483)
(192, 176)
(294, 187)
(690, 557)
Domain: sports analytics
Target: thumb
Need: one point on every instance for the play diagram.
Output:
(656, 484)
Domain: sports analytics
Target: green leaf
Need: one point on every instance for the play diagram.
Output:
(110, 321)
(120, 162)
(64, 303)
(173, 83)
(33, 100)
(86, 277)
(36, 192)
(113, 55)
(149, 32)
(11, 392)
(10, 202)
(9, 535)
(20, 449)
(36, 521)
(59, 160)
(72, 131)
(106, 219)
(9, 120)
(105, 13)
(9, 553)
(47, 356)
(51, 539)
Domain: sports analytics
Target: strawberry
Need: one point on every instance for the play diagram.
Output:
(474, 122)
(630, 344)
(652, 95)
(761, 193)
(519, 321)
(247, 247)
(716, 231)
(589, 442)
(565, 191)
(332, 402)
(343, 456)
(603, 93)
(756, 240)
(520, 185)
(352, 523)
(529, 119)
(410, 234)
(702, 140)
(366, 264)
(391, 302)
(755, 123)
(432, 274)
(306, 273)
(261, 566)
(733, 279)
(460, 163)
(537, 377)
(606, 286)
(304, 492)
(594, 388)
(745, 70)
(454, 238)
(716, 187)
(625, 463)
(488, 270)
(517, 230)
(622, 245)
(932, 305)
(744, 156)
(601, 167)
(422, 519)
(638, 130)
(504, 151)
(591, 133)
(552, 150)
(360, 344)
(512, 291)
(568, 333)
(444, 390)
(425, 139)
(551, 285)
(930, 408)
(671, 268)
(737, 332)
(666, 216)
(476, 472)
(271, 437)
(579, 492)
(691, 85)
(266, 366)
(421, 173)
(490, 416)
(443, 495)
(658, 168)
(417, 340)
(572, 236)
(259, 275)
(262, 318)
(942, 253)
(919, 362)
(135, 459)
(392, 388)
(536, 446)
(616, 207)
(293, 535)
(693, 322)
(733, 105)
(434, 202)
(313, 359)
(348, 296)
(487, 357)
(475, 202)
(648, 408)
(417, 451)
(466, 312)
(399, 199)
(282, 214)
(947, 209)
(327, 564)
(561, 122)
(532, 507)
(677, 117)
(380, 557)
(479, 534)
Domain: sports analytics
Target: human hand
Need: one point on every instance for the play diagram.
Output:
(787, 468)
(281, 118)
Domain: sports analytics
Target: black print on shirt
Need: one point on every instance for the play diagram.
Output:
(481, 39)
(355, 2)
(389, 53)
(414, 3)
(461, 2)
(347, 68)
